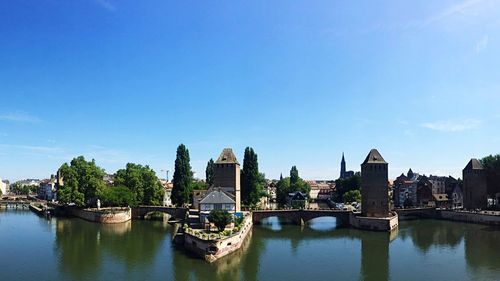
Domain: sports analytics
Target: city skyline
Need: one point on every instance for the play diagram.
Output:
(300, 83)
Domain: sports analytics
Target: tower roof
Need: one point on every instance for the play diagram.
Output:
(474, 164)
(227, 157)
(343, 159)
(374, 157)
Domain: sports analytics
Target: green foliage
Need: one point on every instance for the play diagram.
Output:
(345, 185)
(352, 196)
(492, 166)
(287, 185)
(142, 183)
(19, 189)
(238, 221)
(252, 182)
(183, 177)
(82, 182)
(199, 185)
(89, 178)
(220, 218)
(120, 196)
(209, 172)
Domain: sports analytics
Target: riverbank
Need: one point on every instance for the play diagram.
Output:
(103, 215)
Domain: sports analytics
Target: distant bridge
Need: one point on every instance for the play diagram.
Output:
(301, 217)
(141, 212)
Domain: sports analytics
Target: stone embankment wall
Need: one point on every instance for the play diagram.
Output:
(469, 217)
(114, 215)
(204, 248)
(373, 223)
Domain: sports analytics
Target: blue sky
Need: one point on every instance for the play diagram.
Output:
(299, 81)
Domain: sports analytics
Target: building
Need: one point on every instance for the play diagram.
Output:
(47, 189)
(374, 186)
(343, 172)
(3, 187)
(216, 199)
(475, 190)
(227, 175)
(167, 192)
(297, 200)
(438, 184)
(457, 197)
(405, 189)
(198, 195)
(425, 193)
(442, 200)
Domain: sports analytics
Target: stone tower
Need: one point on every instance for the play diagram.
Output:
(475, 186)
(374, 186)
(342, 167)
(227, 175)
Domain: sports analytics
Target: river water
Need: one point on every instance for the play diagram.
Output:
(33, 248)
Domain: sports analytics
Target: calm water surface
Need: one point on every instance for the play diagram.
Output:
(32, 248)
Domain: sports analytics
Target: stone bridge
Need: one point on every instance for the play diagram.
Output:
(302, 216)
(141, 211)
(414, 213)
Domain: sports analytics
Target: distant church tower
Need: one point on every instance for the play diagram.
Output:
(342, 167)
(374, 186)
(227, 175)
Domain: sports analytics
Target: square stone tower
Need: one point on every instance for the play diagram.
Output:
(374, 186)
(475, 186)
(227, 175)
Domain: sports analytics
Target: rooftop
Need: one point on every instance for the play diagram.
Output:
(374, 157)
(227, 157)
(217, 197)
(474, 164)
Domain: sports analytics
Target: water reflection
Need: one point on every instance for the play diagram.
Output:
(84, 248)
(426, 234)
(141, 250)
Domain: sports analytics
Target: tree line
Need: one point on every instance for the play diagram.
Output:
(83, 183)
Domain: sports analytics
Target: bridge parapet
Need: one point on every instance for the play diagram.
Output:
(141, 211)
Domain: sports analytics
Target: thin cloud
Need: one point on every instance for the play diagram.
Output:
(482, 44)
(106, 5)
(19, 117)
(453, 125)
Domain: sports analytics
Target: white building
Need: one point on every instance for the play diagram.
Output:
(216, 200)
(47, 190)
(3, 187)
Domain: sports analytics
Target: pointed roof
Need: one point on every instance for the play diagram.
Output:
(474, 164)
(217, 197)
(227, 157)
(343, 159)
(374, 157)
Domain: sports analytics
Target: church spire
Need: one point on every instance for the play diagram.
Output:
(342, 167)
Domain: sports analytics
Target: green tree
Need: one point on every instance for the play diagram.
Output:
(142, 182)
(118, 196)
(88, 179)
(294, 175)
(352, 196)
(252, 182)
(282, 190)
(209, 172)
(287, 185)
(220, 218)
(183, 176)
(491, 164)
(199, 185)
(345, 185)
(70, 191)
